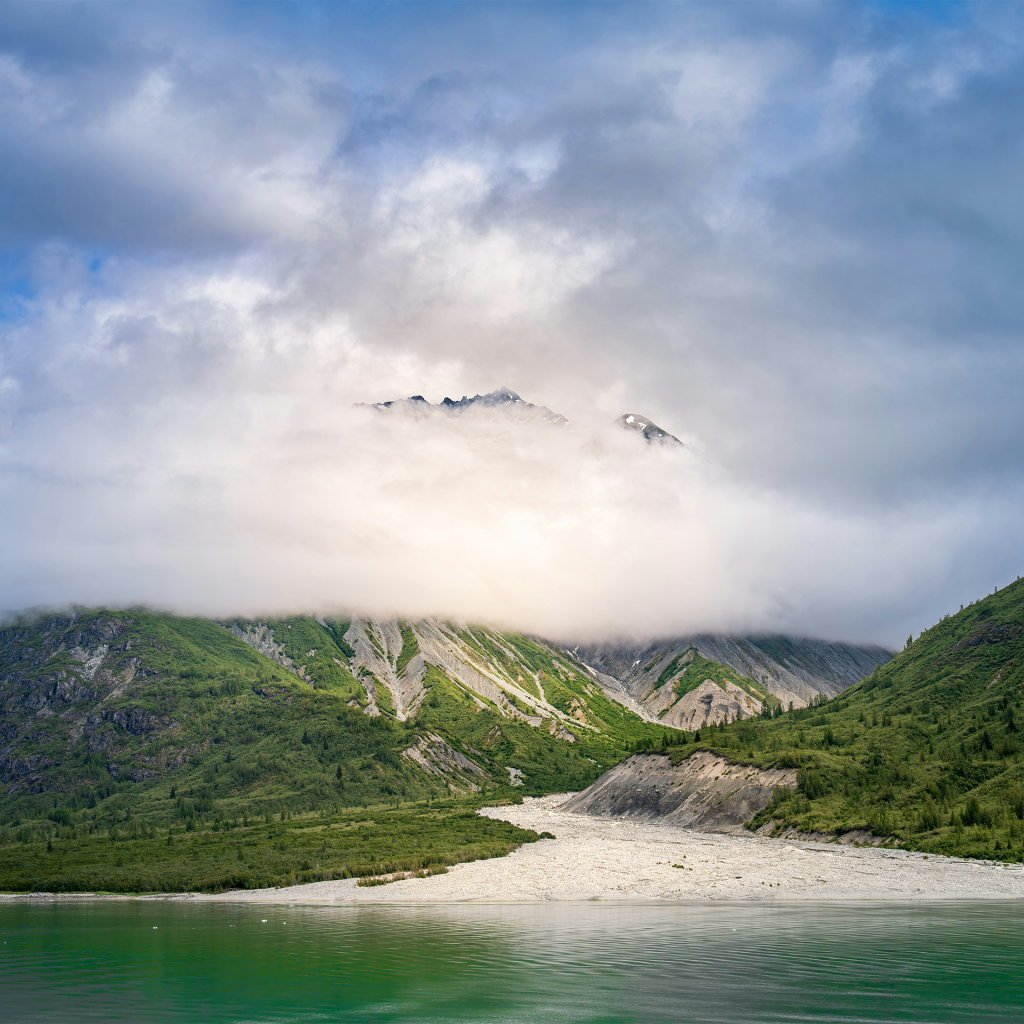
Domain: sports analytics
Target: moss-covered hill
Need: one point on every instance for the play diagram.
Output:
(927, 750)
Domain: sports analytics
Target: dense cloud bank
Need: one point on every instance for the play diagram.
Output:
(789, 233)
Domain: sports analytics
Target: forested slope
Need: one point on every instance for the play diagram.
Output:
(927, 750)
(141, 750)
(182, 717)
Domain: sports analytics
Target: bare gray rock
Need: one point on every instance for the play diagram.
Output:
(438, 757)
(260, 637)
(704, 792)
(651, 431)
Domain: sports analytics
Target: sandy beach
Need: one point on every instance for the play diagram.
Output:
(614, 859)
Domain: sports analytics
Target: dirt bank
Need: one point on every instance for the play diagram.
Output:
(703, 792)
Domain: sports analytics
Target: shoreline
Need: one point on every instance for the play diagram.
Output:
(621, 860)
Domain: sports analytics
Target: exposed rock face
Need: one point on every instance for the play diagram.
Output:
(71, 672)
(260, 637)
(502, 398)
(378, 646)
(437, 757)
(138, 721)
(708, 703)
(651, 431)
(482, 663)
(791, 668)
(704, 792)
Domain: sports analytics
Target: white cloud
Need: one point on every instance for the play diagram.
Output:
(727, 224)
(431, 235)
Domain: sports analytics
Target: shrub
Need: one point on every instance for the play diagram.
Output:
(811, 784)
(929, 819)
(881, 822)
(975, 814)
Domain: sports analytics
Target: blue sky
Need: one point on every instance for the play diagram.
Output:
(790, 233)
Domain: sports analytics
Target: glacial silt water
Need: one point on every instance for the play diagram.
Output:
(602, 963)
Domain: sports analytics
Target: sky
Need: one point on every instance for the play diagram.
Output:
(792, 234)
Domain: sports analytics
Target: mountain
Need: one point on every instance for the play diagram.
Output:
(299, 711)
(508, 400)
(502, 398)
(692, 680)
(307, 710)
(651, 431)
(402, 668)
(927, 751)
(248, 743)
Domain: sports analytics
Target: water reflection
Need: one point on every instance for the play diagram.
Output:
(742, 964)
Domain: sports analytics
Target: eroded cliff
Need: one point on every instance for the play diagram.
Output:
(703, 792)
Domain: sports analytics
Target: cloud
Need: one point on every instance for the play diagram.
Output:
(265, 496)
(791, 235)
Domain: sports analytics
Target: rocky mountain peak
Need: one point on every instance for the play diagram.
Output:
(506, 398)
(650, 430)
(502, 397)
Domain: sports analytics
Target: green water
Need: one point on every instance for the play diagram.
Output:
(156, 962)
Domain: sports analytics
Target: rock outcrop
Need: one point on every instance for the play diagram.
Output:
(651, 431)
(709, 702)
(438, 757)
(704, 792)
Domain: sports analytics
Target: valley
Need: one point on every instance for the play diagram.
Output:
(191, 746)
(614, 859)
(133, 727)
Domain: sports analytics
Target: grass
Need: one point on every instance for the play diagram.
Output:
(410, 648)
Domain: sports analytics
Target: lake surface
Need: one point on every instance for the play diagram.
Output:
(566, 962)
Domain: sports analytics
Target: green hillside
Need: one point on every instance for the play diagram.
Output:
(926, 751)
(137, 727)
(181, 704)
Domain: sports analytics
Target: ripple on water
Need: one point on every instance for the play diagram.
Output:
(586, 962)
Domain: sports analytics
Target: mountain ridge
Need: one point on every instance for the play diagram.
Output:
(117, 723)
(650, 430)
(138, 695)
(500, 398)
(925, 752)
(784, 670)
(506, 398)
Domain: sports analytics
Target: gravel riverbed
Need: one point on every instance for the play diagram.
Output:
(617, 859)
